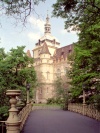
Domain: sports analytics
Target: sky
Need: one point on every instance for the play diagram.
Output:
(12, 35)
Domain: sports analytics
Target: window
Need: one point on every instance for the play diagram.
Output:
(38, 52)
(47, 61)
(69, 50)
(47, 89)
(66, 70)
(48, 75)
(40, 90)
(58, 73)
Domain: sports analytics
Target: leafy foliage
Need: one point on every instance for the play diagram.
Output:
(61, 90)
(86, 67)
(55, 101)
(3, 112)
(85, 17)
(14, 69)
(15, 73)
(76, 11)
(18, 9)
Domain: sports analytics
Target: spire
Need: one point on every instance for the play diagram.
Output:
(47, 25)
(45, 49)
(28, 53)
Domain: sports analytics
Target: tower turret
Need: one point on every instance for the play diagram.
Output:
(47, 26)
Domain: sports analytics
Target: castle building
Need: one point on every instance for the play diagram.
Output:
(50, 62)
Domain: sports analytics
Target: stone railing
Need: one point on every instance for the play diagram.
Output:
(87, 110)
(23, 114)
(2, 127)
(47, 107)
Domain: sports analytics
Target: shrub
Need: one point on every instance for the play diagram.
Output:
(55, 101)
(4, 113)
(50, 101)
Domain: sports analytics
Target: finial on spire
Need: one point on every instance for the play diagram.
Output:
(47, 18)
(47, 25)
(47, 12)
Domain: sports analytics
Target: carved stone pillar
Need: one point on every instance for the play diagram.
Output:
(13, 121)
(84, 103)
(28, 88)
(28, 97)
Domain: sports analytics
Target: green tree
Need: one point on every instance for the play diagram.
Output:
(85, 17)
(61, 91)
(16, 69)
(19, 9)
(3, 55)
(76, 11)
(86, 67)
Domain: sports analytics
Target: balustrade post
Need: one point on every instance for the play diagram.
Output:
(27, 89)
(13, 121)
(28, 97)
(96, 115)
(84, 103)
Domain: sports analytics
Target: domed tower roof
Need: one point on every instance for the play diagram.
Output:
(47, 32)
(47, 37)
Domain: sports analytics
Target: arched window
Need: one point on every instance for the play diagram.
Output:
(48, 75)
(58, 72)
(38, 52)
(66, 70)
(40, 90)
(47, 89)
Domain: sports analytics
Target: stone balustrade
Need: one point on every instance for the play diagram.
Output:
(87, 110)
(2, 127)
(47, 107)
(23, 114)
(15, 121)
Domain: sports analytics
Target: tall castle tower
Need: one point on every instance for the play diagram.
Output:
(49, 60)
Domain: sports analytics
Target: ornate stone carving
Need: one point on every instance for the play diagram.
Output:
(13, 121)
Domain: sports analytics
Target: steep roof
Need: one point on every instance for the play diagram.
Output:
(63, 51)
(44, 49)
(28, 53)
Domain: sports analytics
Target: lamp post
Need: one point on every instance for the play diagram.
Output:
(84, 102)
(27, 89)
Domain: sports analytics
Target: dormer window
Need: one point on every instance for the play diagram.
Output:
(38, 52)
(39, 42)
(62, 53)
(69, 50)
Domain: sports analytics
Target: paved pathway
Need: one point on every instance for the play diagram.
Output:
(59, 121)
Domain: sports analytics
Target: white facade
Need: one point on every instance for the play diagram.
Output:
(50, 60)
